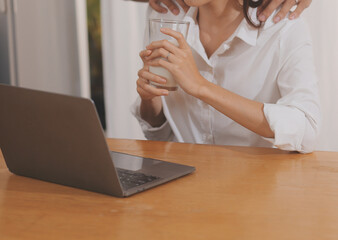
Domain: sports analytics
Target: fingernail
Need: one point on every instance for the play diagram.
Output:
(262, 18)
(163, 80)
(165, 92)
(176, 12)
(276, 19)
(292, 16)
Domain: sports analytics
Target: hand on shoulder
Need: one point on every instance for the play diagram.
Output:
(170, 4)
(285, 9)
(265, 12)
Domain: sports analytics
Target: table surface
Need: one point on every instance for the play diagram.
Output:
(235, 193)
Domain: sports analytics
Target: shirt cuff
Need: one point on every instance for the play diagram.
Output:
(288, 124)
(161, 133)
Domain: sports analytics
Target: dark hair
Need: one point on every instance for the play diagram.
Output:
(253, 4)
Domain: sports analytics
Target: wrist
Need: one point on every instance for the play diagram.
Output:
(151, 111)
(147, 101)
(202, 88)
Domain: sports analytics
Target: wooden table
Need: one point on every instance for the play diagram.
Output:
(235, 193)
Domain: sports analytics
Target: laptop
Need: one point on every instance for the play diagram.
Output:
(59, 138)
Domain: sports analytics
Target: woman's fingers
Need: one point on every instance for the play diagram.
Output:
(170, 46)
(183, 5)
(156, 5)
(163, 63)
(287, 5)
(156, 54)
(177, 35)
(162, 53)
(144, 54)
(163, 44)
(265, 14)
(151, 77)
(170, 4)
(302, 4)
(147, 91)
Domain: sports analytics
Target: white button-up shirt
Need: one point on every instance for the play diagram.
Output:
(273, 65)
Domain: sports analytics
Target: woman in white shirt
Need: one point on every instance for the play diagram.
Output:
(239, 84)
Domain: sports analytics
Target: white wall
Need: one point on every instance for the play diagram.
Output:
(50, 45)
(323, 21)
(123, 25)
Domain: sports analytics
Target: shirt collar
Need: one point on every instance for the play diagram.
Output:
(244, 31)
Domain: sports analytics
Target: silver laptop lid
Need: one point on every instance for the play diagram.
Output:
(55, 138)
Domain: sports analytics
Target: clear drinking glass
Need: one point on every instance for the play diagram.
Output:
(155, 34)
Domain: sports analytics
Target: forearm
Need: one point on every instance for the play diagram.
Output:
(152, 112)
(246, 112)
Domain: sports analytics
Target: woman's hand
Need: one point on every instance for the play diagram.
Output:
(144, 89)
(179, 61)
(156, 5)
(286, 7)
(151, 105)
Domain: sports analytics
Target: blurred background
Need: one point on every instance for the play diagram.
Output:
(90, 48)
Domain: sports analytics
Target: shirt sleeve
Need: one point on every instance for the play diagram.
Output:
(295, 118)
(162, 133)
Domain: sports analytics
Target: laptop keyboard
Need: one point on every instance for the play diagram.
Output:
(130, 179)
